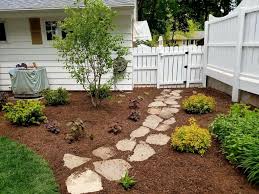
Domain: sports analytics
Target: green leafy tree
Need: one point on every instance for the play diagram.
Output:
(90, 49)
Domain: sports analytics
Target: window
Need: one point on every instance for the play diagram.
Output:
(36, 36)
(51, 29)
(2, 32)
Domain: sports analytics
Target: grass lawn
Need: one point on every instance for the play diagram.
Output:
(23, 171)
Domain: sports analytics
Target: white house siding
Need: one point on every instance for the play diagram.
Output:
(19, 48)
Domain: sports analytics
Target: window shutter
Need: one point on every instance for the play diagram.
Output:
(36, 36)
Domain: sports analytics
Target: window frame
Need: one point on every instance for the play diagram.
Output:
(44, 31)
(6, 37)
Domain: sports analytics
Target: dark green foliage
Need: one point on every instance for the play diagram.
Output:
(56, 97)
(127, 182)
(23, 171)
(239, 134)
(3, 99)
(103, 93)
(25, 112)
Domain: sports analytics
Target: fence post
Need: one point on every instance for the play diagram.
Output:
(205, 57)
(239, 50)
(159, 61)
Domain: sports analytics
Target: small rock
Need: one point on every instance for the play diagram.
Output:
(170, 121)
(122, 95)
(126, 145)
(86, 182)
(158, 139)
(154, 111)
(194, 92)
(120, 101)
(162, 127)
(112, 170)
(146, 93)
(142, 152)
(104, 152)
(156, 104)
(140, 132)
(71, 161)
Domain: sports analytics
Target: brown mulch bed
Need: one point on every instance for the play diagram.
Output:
(166, 172)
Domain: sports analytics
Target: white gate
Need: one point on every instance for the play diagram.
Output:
(167, 66)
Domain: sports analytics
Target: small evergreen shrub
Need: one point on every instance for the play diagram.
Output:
(104, 92)
(25, 112)
(56, 97)
(199, 104)
(127, 182)
(191, 138)
(3, 99)
(238, 133)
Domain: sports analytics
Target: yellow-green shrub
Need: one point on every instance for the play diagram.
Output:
(191, 138)
(199, 104)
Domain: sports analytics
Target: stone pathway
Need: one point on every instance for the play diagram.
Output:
(161, 119)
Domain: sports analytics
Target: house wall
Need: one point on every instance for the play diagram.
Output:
(19, 48)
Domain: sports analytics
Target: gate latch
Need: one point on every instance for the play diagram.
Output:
(187, 52)
(186, 66)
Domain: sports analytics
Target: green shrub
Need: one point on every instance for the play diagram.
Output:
(238, 132)
(104, 92)
(56, 97)
(25, 113)
(127, 182)
(199, 104)
(191, 138)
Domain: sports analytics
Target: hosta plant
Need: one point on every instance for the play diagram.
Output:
(199, 104)
(25, 112)
(191, 138)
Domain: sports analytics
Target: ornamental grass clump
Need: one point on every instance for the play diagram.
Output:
(191, 138)
(199, 104)
(25, 112)
(238, 133)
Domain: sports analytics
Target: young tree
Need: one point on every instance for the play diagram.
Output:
(89, 48)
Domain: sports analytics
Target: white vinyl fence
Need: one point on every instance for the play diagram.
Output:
(232, 49)
(167, 66)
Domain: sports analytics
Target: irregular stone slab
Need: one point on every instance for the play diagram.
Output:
(175, 97)
(178, 91)
(171, 102)
(158, 139)
(71, 161)
(126, 145)
(142, 152)
(157, 104)
(113, 170)
(162, 127)
(176, 106)
(140, 132)
(104, 152)
(154, 111)
(152, 121)
(174, 93)
(165, 91)
(170, 121)
(85, 182)
(167, 113)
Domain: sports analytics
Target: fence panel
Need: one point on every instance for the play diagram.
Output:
(166, 66)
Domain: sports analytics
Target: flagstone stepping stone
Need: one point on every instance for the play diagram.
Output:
(157, 104)
(140, 132)
(170, 121)
(154, 111)
(178, 91)
(162, 127)
(174, 93)
(142, 152)
(171, 102)
(175, 97)
(152, 121)
(158, 139)
(126, 145)
(113, 170)
(71, 161)
(167, 113)
(104, 152)
(176, 106)
(85, 182)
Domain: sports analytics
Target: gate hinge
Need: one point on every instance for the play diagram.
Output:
(187, 52)
(186, 66)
